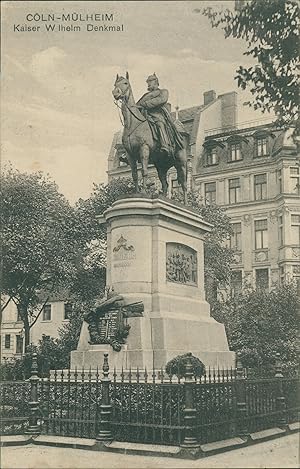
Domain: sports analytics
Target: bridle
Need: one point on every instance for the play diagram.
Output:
(124, 101)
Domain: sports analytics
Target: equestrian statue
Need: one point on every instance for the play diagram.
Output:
(150, 135)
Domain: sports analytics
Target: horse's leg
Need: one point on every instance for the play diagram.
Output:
(181, 167)
(144, 156)
(162, 174)
(134, 172)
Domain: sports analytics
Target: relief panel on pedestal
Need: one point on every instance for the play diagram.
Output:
(181, 264)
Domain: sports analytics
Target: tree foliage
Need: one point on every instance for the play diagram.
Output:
(217, 256)
(41, 246)
(260, 324)
(271, 30)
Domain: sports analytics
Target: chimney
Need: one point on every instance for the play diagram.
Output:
(209, 96)
(228, 109)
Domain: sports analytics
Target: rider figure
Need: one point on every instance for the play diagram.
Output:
(153, 106)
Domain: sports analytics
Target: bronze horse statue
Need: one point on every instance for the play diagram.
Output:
(142, 147)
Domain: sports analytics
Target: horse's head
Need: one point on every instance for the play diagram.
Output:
(122, 87)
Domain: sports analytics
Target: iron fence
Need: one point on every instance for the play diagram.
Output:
(14, 399)
(69, 403)
(147, 408)
(138, 406)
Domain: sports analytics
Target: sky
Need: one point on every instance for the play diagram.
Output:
(58, 114)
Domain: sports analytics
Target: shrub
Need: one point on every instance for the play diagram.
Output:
(176, 366)
(260, 324)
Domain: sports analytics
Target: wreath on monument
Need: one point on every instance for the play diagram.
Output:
(112, 311)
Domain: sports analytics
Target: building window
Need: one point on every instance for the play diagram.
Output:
(236, 238)
(280, 230)
(234, 190)
(235, 152)
(262, 279)
(47, 313)
(175, 187)
(210, 192)
(7, 341)
(279, 180)
(212, 157)
(236, 282)
(19, 344)
(294, 176)
(260, 186)
(122, 157)
(261, 147)
(68, 308)
(261, 234)
(295, 229)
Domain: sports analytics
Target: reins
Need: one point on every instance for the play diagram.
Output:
(141, 120)
(132, 113)
(119, 112)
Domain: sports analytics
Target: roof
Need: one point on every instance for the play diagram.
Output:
(225, 133)
(190, 117)
(285, 139)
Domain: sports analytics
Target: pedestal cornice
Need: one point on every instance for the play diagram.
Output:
(138, 205)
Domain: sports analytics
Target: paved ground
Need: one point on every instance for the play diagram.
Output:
(279, 453)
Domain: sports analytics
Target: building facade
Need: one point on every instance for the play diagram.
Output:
(250, 169)
(54, 314)
(253, 172)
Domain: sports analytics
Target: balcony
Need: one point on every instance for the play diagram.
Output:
(289, 253)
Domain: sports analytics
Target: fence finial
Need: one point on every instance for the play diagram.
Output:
(188, 368)
(34, 365)
(278, 366)
(105, 367)
(239, 365)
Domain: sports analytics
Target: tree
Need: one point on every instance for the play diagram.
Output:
(41, 246)
(259, 324)
(271, 29)
(218, 258)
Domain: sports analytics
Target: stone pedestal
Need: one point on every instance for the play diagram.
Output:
(155, 255)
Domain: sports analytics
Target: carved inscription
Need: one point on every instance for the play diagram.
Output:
(181, 264)
(123, 253)
(109, 324)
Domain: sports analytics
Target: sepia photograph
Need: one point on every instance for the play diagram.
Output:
(150, 234)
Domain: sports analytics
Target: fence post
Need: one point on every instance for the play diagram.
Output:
(189, 412)
(105, 433)
(241, 398)
(33, 428)
(280, 398)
